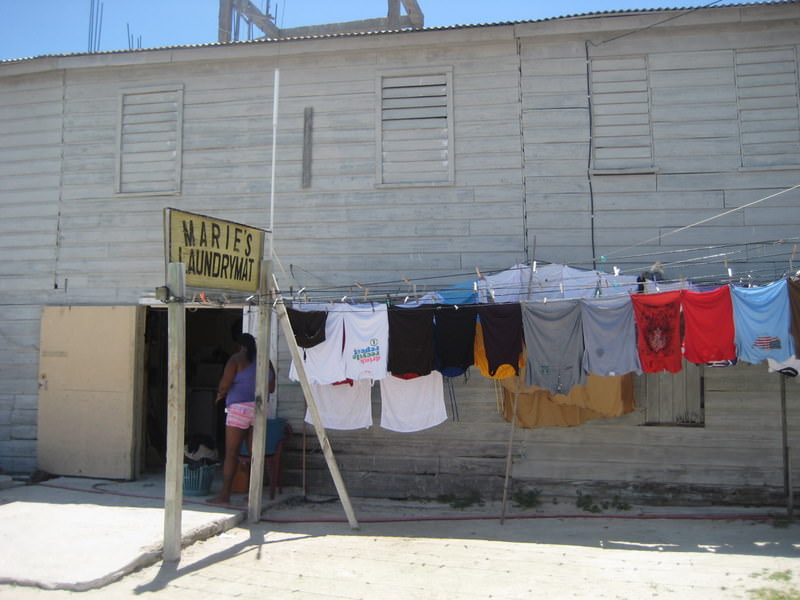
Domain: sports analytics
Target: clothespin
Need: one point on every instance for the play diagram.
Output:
(413, 286)
(344, 299)
(616, 271)
(203, 298)
(534, 266)
(366, 290)
(727, 268)
(792, 257)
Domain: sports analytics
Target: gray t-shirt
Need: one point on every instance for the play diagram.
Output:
(554, 339)
(609, 334)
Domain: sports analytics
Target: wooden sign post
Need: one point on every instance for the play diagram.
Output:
(262, 394)
(176, 411)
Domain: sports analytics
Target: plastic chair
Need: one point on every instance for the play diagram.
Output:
(278, 432)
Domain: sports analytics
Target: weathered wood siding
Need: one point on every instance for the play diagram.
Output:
(30, 179)
(735, 457)
(656, 130)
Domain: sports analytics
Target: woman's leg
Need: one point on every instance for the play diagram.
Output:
(233, 444)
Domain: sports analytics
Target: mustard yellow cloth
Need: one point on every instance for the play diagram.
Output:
(601, 397)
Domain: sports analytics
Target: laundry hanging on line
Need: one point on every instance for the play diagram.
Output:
(654, 331)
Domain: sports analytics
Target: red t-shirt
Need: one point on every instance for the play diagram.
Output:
(658, 331)
(708, 319)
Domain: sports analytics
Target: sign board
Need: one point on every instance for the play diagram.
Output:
(218, 254)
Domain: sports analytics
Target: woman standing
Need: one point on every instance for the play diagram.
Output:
(238, 387)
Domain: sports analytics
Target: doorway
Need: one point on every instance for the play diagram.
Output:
(210, 341)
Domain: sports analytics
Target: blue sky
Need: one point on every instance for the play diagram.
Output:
(34, 28)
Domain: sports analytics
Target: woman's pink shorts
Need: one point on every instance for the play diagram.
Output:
(240, 415)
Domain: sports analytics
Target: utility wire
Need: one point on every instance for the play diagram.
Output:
(661, 236)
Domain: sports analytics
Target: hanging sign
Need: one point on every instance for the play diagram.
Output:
(218, 254)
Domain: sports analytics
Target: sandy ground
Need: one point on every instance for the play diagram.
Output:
(407, 550)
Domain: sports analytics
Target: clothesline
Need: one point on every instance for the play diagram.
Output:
(728, 273)
(558, 343)
(661, 236)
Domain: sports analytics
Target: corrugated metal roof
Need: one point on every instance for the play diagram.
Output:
(604, 13)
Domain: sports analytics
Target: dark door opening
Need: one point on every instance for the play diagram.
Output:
(210, 340)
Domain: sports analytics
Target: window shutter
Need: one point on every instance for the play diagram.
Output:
(621, 131)
(416, 132)
(150, 142)
(769, 118)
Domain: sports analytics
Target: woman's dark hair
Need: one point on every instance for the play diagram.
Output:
(248, 342)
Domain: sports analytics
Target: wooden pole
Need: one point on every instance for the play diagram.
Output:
(787, 462)
(509, 461)
(324, 443)
(176, 411)
(225, 21)
(262, 397)
(305, 486)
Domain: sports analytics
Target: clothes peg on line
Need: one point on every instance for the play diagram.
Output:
(413, 286)
(361, 287)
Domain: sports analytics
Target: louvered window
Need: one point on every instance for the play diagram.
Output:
(150, 142)
(769, 117)
(621, 136)
(416, 130)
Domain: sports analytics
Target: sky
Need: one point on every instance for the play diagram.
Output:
(35, 28)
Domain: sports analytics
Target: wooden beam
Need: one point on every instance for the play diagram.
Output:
(414, 13)
(379, 24)
(176, 410)
(394, 14)
(259, 19)
(308, 121)
(260, 429)
(225, 21)
(322, 436)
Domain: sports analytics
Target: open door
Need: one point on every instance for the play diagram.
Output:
(90, 413)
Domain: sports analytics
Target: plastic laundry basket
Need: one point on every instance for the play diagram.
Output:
(197, 479)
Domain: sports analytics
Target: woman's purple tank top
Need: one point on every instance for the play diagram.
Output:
(243, 388)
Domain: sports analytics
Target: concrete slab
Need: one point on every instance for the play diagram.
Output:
(78, 534)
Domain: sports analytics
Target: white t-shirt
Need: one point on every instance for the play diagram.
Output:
(343, 406)
(366, 340)
(324, 363)
(412, 404)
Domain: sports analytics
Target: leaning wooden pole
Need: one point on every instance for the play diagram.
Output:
(509, 460)
(286, 326)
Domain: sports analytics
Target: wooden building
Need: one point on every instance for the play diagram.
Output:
(404, 156)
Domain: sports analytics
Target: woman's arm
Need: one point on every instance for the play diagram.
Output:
(228, 375)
